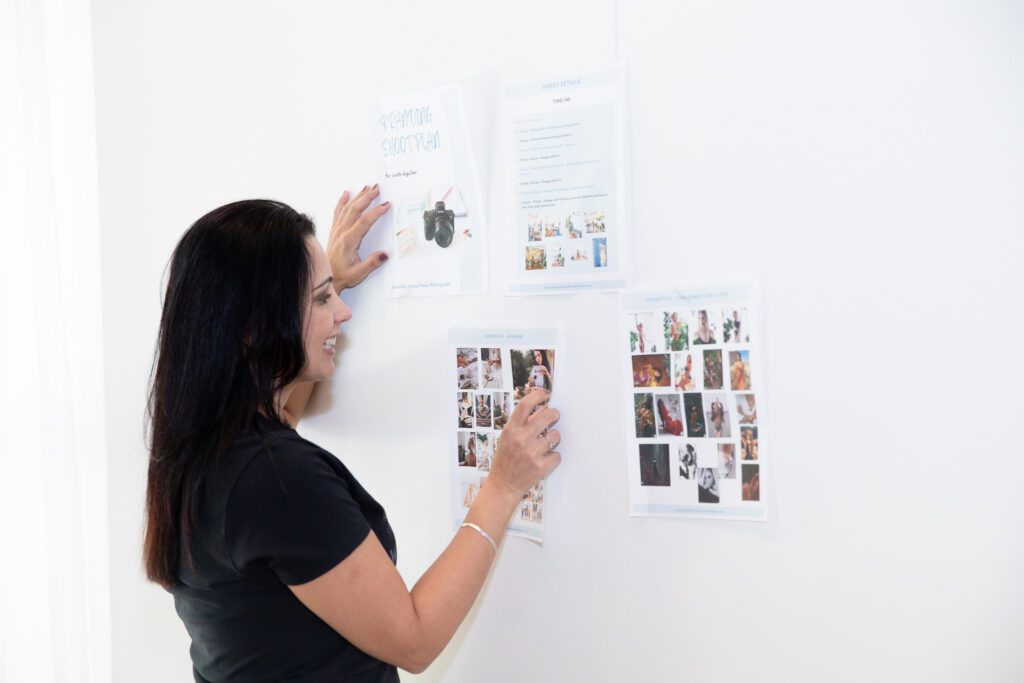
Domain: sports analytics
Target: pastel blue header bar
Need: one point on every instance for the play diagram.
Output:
(503, 336)
(697, 296)
(564, 83)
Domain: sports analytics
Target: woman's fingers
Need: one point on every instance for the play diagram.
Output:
(554, 438)
(340, 206)
(544, 418)
(345, 215)
(526, 405)
(367, 266)
(366, 221)
(359, 203)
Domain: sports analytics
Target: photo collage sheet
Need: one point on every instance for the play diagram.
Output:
(436, 223)
(567, 137)
(493, 370)
(695, 378)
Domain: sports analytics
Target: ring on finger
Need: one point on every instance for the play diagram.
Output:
(544, 435)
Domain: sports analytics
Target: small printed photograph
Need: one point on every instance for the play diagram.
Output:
(654, 465)
(595, 222)
(670, 422)
(746, 409)
(534, 228)
(600, 252)
(466, 362)
(682, 364)
(643, 415)
(712, 368)
(652, 370)
(574, 225)
(484, 451)
(552, 227)
(748, 443)
(467, 449)
(693, 406)
(532, 507)
(531, 512)
(707, 485)
(579, 254)
(536, 494)
(469, 491)
(739, 370)
(502, 408)
(465, 403)
(490, 368)
(726, 461)
(717, 416)
(483, 411)
(532, 369)
(687, 461)
(751, 478)
(642, 337)
(703, 330)
(536, 258)
(557, 259)
(676, 331)
(734, 326)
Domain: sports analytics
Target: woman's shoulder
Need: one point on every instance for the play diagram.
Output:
(284, 451)
(272, 457)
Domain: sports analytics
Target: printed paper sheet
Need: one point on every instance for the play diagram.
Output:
(436, 224)
(569, 218)
(492, 369)
(695, 402)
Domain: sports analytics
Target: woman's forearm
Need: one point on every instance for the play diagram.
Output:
(445, 593)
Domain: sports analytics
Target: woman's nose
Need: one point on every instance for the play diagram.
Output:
(343, 312)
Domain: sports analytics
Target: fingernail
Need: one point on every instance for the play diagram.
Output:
(385, 204)
(365, 188)
(383, 258)
(376, 186)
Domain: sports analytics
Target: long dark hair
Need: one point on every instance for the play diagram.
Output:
(230, 338)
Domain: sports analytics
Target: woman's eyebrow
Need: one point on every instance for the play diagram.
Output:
(329, 280)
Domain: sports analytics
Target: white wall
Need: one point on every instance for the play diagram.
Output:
(864, 160)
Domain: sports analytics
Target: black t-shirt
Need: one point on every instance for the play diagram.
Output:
(278, 511)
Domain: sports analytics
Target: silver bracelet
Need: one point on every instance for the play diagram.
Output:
(487, 536)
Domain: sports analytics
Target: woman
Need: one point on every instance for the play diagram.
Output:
(688, 461)
(676, 333)
(641, 335)
(727, 461)
(686, 377)
(492, 370)
(717, 418)
(483, 411)
(465, 411)
(739, 373)
(280, 563)
(540, 376)
(747, 408)
(669, 425)
(737, 336)
(704, 334)
(707, 486)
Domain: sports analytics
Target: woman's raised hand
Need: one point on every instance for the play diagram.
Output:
(351, 222)
(526, 453)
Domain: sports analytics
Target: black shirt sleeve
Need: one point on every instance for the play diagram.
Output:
(293, 511)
